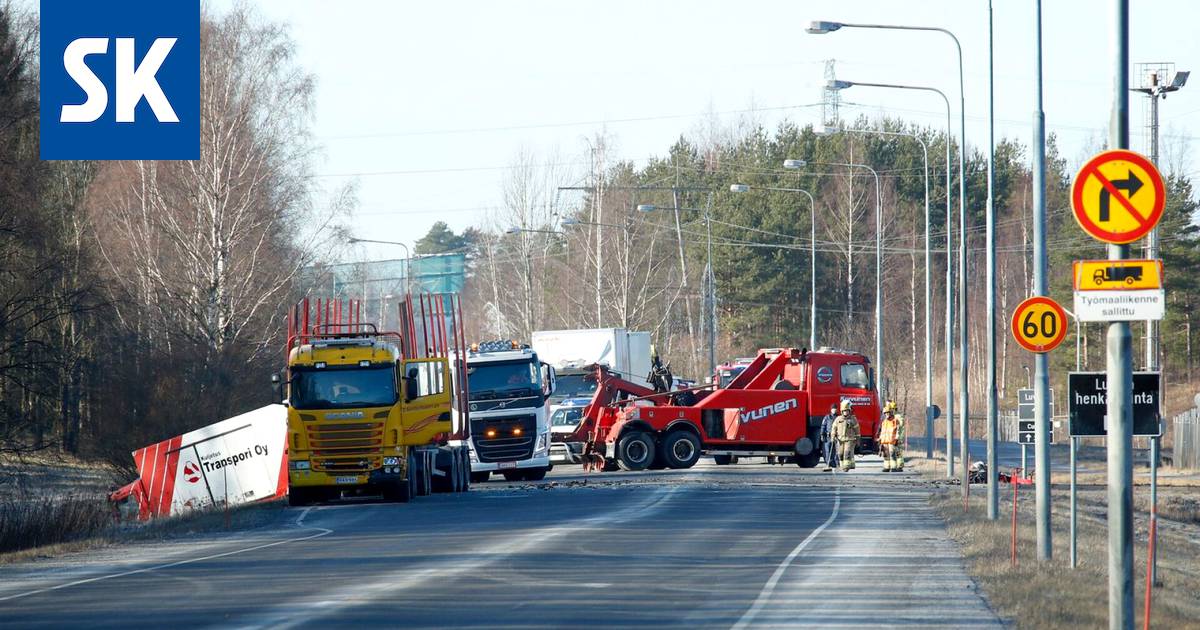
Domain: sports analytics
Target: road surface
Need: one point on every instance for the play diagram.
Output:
(749, 545)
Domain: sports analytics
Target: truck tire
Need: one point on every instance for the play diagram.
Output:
(680, 449)
(807, 454)
(460, 474)
(635, 451)
(426, 475)
(448, 481)
(464, 456)
(412, 476)
(298, 497)
(399, 491)
(535, 475)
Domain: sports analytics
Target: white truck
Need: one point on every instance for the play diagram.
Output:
(508, 391)
(570, 351)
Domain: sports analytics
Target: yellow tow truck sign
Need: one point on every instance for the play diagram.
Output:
(1118, 275)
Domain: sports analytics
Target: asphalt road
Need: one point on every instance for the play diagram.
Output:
(733, 546)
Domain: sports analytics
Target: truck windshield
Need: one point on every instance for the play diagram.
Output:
(340, 388)
(515, 378)
(567, 417)
(574, 386)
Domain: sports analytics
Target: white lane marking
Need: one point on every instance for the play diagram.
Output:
(306, 610)
(769, 587)
(99, 578)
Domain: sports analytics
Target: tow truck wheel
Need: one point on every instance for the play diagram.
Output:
(680, 449)
(807, 454)
(635, 451)
(426, 475)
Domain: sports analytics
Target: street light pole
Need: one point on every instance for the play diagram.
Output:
(841, 85)
(812, 297)
(820, 27)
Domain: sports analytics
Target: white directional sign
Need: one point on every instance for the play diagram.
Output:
(1120, 306)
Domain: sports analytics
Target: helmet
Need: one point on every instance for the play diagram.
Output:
(846, 405)
(889, 407)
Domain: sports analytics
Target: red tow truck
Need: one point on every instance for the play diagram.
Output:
(774, 407)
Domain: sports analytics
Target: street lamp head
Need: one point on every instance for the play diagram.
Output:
(825, 132)
(794, 164)
(513, 230)
(646, 207)
(352, 240)
(739, 188)
(569, 221)
(838, 84)
(817, 27)
(1180, 79)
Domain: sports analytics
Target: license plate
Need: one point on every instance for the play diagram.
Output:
(503, 465)
(346, 480)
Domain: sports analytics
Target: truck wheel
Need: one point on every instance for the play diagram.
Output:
(722, 460)
(426, 475)
(398, 491)
(536, 475)
(635, 451)
(680, 449)
(298, 497)
(807, 454)
(464, 473)
(447, 481)
(411, 476)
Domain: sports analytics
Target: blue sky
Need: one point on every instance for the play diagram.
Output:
(425, 104)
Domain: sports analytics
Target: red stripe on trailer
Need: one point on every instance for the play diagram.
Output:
(150, 473)
(282, 487)
(172, 467)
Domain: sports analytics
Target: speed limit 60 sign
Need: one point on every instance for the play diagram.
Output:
(1039, 324)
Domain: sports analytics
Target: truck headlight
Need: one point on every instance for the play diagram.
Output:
(543, 439)
(300, 465)
(474, 457)
(391, 461)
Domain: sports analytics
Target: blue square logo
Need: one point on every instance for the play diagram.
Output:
(120, 80)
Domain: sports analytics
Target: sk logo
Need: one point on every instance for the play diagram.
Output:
(120, 80)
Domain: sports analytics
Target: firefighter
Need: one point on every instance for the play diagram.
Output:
(828, 446)
(891, 438)
(846, 434)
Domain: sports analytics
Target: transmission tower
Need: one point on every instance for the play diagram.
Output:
(830, 97)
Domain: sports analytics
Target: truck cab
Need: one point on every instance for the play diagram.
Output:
(357, 413)
(834, 375)
(508, 392)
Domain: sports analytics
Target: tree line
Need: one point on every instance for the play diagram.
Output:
(567, 252)
(141, 299)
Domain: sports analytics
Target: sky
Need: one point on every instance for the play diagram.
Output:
(424, 105)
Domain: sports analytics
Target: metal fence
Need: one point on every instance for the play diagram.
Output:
(1185, 451)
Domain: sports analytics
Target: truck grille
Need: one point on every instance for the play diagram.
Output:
(505, 446)
(347, 447)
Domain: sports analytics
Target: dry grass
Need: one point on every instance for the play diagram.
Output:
(39, 522)
(1051, 594)
(58, 526)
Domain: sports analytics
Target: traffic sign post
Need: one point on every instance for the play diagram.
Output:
(1118, 197)
(1026, 421)
(1039, 324)
(1087, 404)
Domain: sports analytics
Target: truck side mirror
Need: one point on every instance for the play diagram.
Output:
(276, 388)
(410, 385)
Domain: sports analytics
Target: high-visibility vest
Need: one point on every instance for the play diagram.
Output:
(889, 432)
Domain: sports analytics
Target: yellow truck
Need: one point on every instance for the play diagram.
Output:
(369, 412)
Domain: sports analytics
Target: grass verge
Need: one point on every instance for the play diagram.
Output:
(54, 526)
(1051, 594)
